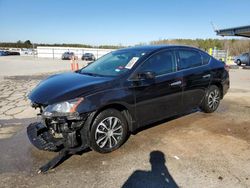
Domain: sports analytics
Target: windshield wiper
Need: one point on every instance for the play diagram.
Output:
(90, 74)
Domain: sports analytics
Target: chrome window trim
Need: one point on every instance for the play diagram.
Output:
(184, 70)
(176, 61)
(178, 71)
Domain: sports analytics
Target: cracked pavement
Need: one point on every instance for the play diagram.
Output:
(14, 103)
(13, 100)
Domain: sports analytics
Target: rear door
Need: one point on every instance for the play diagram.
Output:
(196, 76)
(161, 99)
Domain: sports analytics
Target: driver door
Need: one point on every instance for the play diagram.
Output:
(163, 97)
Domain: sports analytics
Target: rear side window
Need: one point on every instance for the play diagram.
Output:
(189, 59)
(160, 63)
(205, 58)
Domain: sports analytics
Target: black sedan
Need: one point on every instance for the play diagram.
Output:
(12, 53)
(99, 105)
(88, 57)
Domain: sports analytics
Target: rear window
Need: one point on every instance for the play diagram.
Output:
(189, 59)
(205, 58)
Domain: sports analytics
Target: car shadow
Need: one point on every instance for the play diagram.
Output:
(158, 176)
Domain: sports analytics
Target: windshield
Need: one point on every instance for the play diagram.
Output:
(114, 63)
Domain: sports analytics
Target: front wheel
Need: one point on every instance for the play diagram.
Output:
(211, 100)
(109, 131)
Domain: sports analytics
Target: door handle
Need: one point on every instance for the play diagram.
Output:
(177, 83)
(206, 76)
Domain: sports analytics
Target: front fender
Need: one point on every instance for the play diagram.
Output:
(100, 100)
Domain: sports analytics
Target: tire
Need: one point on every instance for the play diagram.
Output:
(109, 131)
(238, 62)
(211, 100)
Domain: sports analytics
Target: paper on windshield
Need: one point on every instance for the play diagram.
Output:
(131, 62)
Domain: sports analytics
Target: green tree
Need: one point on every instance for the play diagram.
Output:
(27, 44)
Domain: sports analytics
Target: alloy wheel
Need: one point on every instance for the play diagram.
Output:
(213, 99)
(109, 132)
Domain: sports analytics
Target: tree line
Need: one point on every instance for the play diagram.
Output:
(18, 44)
(234, 46)
(28, 44)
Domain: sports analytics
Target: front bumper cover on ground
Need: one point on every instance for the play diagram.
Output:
(39, 136)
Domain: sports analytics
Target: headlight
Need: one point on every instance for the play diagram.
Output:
(63, 107)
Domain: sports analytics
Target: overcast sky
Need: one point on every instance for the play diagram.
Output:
(124, 22)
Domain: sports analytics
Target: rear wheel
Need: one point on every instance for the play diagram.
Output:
(109, 131)
(211, 100)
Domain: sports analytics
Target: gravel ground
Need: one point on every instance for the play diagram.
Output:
(193, 150)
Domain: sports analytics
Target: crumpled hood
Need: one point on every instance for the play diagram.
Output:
(66, 86)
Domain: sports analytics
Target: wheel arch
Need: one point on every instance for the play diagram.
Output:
(120, 107)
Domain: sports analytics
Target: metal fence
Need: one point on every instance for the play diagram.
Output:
(222, 55)
(56, 52)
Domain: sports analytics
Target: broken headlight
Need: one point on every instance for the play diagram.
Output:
(66, 107)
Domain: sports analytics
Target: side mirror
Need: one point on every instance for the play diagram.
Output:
(143, 79)
(147, 75)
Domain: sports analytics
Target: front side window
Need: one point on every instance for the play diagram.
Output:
(189, 59)
(160, 63)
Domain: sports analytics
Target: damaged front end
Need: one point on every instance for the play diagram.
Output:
(61, 127)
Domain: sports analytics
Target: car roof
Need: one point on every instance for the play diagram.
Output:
(157, 47)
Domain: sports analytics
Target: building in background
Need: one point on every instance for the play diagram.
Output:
(243, 31)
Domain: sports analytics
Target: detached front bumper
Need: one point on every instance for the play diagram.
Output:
(57, 133)
(40, 137)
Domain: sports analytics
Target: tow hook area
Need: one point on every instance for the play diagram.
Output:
(41, 138)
